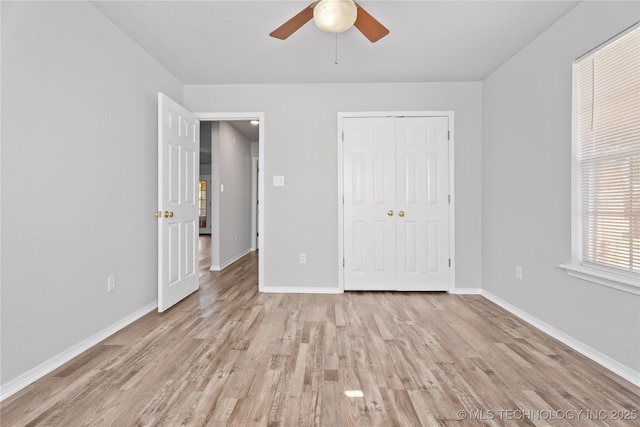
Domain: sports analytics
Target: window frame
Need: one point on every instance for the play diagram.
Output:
(579, 268)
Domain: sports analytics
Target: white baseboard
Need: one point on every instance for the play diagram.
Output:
(228, 263)
(310, 290)
(299, 290)
(55, 362)
(614, 366)
(466, 291)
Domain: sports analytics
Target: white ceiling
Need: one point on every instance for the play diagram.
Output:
(247, 129)
(227, 42)
(251, 132)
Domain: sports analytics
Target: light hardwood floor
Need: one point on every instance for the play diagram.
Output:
(228, 355)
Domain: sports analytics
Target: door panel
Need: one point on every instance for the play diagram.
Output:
(173, 164)
(190, 177)
(178, 171)
(369, 193)
(172, 256)
(433, 239)
(422, 188)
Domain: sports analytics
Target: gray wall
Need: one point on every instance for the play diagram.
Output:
(213, 129)
(205, 147)
(79, 178)
(235, 202)
(526, 194)
(301, 143)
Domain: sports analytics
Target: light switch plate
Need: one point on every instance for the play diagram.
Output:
(278, 181)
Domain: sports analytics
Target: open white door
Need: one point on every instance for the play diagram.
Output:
(178, 175)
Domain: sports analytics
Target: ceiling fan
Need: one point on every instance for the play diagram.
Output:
(334, 16)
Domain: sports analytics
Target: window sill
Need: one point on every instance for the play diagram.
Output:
(621, 282)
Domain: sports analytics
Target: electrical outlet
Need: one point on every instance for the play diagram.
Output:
(303, 258)
(518, 272)
(111, 283)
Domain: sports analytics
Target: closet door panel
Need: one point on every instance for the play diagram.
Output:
(369, 195)
(422, 189)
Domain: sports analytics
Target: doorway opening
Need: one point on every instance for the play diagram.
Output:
(231, 153)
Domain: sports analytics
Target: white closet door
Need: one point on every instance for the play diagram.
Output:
(369, 196)
(396, 208)
(422, 184)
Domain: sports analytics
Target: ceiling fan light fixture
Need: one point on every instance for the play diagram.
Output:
(335, 16)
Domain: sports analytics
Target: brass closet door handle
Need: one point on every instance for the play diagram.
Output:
(401, 213)
(390, 212)
(168, 214)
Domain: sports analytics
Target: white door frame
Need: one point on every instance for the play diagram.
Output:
(255, 208)
(228, 117)
(449, 115)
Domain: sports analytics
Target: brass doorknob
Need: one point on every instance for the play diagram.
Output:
(168, 214)
(401, 213)
(390, 212)
(157, 214)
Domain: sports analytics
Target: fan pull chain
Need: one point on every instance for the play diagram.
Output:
(336, 49)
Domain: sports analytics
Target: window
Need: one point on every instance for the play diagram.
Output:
(202, 203)
(606, 164)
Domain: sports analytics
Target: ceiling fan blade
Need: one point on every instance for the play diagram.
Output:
(369, 26)
(293, 24)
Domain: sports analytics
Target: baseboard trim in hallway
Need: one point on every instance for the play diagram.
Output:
(229, 262)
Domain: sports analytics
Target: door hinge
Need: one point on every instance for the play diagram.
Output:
(342, 136)
(449, 262)
(448, 135)
(342, 262)
(449, 198)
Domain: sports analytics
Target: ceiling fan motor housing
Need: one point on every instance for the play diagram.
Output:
(335, 16)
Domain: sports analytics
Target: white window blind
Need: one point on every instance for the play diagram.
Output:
(607, 150)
